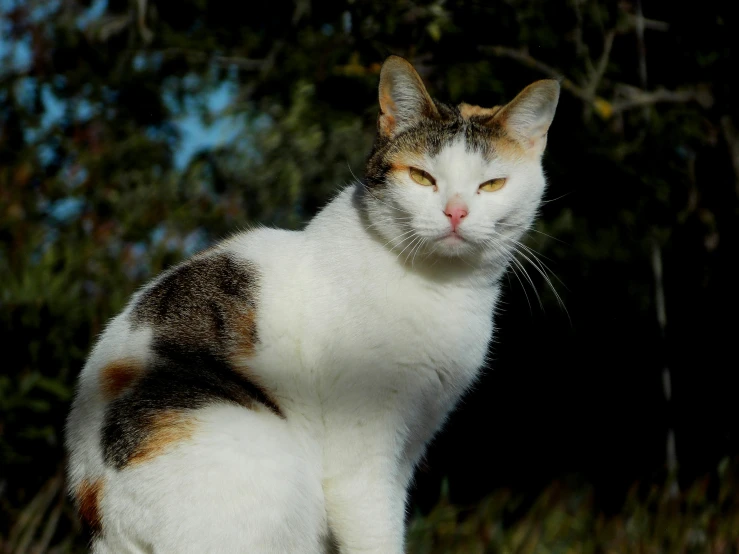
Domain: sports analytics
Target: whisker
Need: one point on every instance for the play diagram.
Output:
(414, 236)
(540, 269)
(544, 266)
(536, 255)
(543, 202)
(492, 242)
(418, 249)
(530, 280)
(398, 237)
(415, 242)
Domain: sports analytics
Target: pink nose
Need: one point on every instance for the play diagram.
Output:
(456, 212)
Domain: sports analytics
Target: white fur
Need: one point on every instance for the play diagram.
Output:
(364, 348)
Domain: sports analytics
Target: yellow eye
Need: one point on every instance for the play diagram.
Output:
(493, 184)
(422, 178)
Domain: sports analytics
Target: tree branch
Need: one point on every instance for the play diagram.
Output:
(635, 97)
(651, 24)
(600, 68)
(526, 59)
(732, 140)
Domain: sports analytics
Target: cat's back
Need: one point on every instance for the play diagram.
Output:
(203, 309)
(178, 353)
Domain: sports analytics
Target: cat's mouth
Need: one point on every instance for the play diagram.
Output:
(453, 238)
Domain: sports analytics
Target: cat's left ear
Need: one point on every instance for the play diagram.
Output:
(404, 100)
(528, 116)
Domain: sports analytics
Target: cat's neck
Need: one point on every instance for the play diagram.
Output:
(343, 225)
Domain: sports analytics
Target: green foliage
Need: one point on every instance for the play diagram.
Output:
(93, 202)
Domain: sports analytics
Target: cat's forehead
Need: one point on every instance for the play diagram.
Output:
(461, 146)
(458, 162)
(471, 128)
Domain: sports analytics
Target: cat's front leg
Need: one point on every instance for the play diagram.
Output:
(365, 505)
(365, 493)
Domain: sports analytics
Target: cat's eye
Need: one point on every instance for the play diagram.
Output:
(422, 178)
(493, 184)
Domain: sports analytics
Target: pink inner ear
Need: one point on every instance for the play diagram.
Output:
(387, 124)
(387, 120)
(387, 104)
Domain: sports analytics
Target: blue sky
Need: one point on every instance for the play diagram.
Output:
(195, 133)
(202, 122)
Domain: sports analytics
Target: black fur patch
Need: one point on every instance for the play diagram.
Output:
(196, 297)
(197, 311)
(179, 379)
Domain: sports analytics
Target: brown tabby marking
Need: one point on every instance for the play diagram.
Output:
(88, 504)
(165, 429)
(430, 125)
(118, 376)
(468, 111)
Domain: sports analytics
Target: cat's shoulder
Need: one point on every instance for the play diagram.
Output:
(229, 271)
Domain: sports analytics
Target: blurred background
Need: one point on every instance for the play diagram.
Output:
(134, 133)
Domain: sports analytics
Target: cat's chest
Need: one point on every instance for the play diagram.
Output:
(426, 325)
(388, 332)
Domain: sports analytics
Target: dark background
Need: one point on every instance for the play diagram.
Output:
(134, 133)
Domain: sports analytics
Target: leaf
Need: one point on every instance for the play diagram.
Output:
(603, 108)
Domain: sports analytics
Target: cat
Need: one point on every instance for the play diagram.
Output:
(274, 393)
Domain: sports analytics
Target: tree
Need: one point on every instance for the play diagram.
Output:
(103, 183)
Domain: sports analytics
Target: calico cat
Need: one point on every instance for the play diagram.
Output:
(274, 393)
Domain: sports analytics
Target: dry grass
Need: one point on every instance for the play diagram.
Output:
(702, 518)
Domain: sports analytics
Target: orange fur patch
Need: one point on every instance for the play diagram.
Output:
(398, 167)
(386, 121)
(88, 503)
(386, 124)
(118, 376)
(511, 148)
(245, 327)
(468, 111)
(166, 429)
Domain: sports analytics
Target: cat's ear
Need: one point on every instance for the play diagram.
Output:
(403, 99)
(528, 116)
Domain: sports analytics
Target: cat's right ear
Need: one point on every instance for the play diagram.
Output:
(403, 99)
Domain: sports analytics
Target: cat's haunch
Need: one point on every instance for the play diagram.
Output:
(274, 393)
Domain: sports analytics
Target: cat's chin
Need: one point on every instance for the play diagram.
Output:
(454, 244)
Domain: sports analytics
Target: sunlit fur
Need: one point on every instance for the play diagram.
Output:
(407, 212)
(460, 148)
(274, 394)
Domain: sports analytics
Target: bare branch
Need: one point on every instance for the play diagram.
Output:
(634, 96)
(659, 301)
(651, 24)
(731, 136)
(642, 51)
(582, 49)
(637, 98)
(146, 34)
(600, 69)
(526, 59)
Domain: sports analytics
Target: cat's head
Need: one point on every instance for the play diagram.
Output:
(455, 180)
